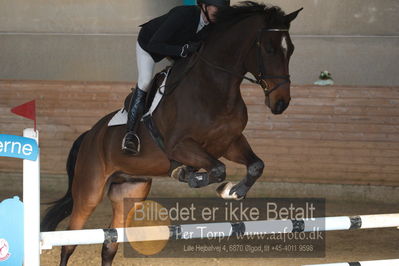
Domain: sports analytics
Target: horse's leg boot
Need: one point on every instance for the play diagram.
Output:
(182, 173)
(197, 180)
(131, 141)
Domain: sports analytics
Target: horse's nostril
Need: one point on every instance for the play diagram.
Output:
(280, 106)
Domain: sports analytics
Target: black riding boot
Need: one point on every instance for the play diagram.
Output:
(131, 141)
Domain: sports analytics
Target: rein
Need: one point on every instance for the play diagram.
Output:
(226, 70)
(259, 79)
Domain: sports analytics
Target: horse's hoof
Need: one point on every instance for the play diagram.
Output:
(224, 189)
(179, 174)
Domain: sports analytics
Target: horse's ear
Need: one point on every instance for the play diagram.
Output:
(290, 17)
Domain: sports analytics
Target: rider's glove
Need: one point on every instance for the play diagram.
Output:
(190, 48)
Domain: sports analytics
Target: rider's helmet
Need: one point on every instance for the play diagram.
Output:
(218, 3)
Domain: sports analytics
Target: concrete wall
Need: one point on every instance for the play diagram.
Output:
(356, 40)
(94, 40)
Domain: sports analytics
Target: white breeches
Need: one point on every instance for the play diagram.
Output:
(145, 66)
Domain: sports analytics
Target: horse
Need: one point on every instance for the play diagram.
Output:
(200, 118)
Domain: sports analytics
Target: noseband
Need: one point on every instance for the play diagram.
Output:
(261, 77)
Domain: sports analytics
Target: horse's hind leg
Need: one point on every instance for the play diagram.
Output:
(240, 152)
(87, 192)
(136, 189)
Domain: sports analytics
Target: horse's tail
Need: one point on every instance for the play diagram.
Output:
(62, 208)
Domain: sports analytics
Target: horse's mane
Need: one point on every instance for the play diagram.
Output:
(229, 16)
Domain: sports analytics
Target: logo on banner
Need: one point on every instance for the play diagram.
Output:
(4, 247)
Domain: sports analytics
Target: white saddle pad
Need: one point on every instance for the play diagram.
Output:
(120, 118)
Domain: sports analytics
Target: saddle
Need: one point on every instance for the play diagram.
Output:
(174, 75)
(155, 86)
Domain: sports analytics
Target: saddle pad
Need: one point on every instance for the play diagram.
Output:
(120, 118)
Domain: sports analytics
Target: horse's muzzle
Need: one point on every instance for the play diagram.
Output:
(280, 107)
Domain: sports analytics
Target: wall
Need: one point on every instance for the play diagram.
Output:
(342, 135)
(356, 40)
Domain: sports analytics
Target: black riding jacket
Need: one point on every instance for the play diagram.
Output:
(165, 35)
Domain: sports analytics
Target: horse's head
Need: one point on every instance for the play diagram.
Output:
(269, 57)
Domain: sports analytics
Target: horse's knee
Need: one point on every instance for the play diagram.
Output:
(256, 169)
(218, 173)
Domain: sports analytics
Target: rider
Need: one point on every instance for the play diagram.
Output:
(175, 34)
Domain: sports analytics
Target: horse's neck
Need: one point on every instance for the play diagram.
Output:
(230, 48)
(229, 51)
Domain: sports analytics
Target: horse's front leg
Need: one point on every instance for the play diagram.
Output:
(240, 152)
(188, 152)
(180, 171)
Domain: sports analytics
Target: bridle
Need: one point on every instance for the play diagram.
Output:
(261, 77)
(262, 68)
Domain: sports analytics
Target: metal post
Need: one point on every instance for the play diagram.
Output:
(31, 199)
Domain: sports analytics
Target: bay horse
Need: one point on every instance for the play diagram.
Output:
(201, 120)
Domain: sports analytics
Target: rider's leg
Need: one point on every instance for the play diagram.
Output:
(145, 65)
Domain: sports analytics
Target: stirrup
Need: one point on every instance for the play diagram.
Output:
(130, 150)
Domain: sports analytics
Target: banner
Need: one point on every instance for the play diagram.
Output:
(18, 147)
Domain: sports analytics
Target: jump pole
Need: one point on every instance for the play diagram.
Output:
(392, 262)
(193, 231)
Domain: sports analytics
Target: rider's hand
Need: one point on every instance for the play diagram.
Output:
(190, 48)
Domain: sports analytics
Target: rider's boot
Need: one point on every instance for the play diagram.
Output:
(131, 141)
